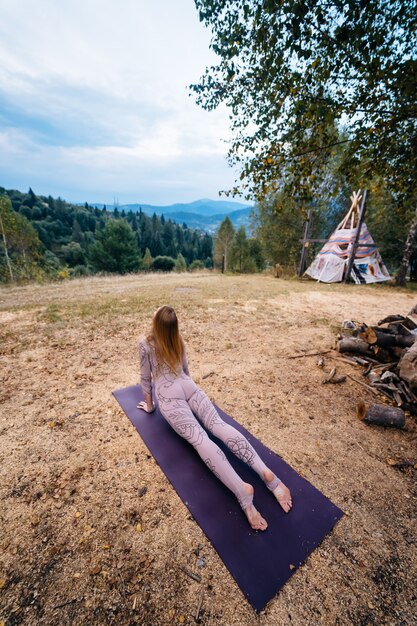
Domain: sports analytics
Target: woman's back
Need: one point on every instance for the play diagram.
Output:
(155, 368)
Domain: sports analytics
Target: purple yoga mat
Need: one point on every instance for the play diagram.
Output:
(260, 562)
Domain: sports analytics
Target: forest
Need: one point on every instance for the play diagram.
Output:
(44, 237)
(48, 238)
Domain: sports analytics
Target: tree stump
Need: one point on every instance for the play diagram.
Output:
(381, 415)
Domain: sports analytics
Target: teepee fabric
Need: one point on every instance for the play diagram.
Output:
(330, 264)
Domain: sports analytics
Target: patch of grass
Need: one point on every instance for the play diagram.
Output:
(335, 328)
(52, 314)
(316, 320)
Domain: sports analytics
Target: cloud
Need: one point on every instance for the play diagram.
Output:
(93, 99)
(98, 174)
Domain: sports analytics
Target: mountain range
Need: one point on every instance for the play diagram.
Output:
(204, 214)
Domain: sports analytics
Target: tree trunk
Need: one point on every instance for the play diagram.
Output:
(408, 250)
(6, 253)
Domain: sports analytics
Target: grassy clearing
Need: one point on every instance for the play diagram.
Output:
(72, 466)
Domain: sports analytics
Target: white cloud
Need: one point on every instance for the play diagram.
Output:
(100, 87)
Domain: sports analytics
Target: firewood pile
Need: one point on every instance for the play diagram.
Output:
(388, 354)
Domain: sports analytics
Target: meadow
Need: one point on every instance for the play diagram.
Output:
(92, 531)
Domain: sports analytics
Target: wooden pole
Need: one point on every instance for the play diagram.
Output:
(356, 240)
(307, 227)
(353, 199)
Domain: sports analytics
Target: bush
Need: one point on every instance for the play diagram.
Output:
(63, 274)
(79, 270)
(163, 264)
(196, 265)
(73, 254)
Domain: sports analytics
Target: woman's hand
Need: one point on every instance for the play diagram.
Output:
(145, 407)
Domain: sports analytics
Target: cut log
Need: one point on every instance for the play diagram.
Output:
(384, 340)
(355, 345)
(390, 330)
(381, 415)
(397, 352)
(389, 339)
(398, 328)
(369, 335)
(405, 341)
(384, 355)
(391, 318)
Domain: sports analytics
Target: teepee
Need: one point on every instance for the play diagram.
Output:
(350, 248)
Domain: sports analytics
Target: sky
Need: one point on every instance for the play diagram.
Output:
(95, 105)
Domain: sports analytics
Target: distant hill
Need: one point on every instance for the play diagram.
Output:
(204, 214)
(208, 223)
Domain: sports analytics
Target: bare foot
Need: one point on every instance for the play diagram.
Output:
(281, 492)
(255, 519)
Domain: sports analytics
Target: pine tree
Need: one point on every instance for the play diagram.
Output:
(116, 249)
(77, 233)
(147, 260)
(180, 264)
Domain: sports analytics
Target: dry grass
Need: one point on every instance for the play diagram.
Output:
(79, 545)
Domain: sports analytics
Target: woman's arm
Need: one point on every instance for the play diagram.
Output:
(185, 360)
(145, 378)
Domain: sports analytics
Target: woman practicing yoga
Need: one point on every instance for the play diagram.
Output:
(163, 360)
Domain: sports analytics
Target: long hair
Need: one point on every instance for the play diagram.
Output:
(167, 339)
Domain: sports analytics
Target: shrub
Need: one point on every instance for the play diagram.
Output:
(196, 265)
(163, 264)
(63, 274)
(80, 270)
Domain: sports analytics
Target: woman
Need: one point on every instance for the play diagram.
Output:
(163, 360)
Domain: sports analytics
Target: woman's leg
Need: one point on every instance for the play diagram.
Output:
(202, 406)
(179, 415)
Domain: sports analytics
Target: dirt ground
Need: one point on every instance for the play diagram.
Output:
(91, 530)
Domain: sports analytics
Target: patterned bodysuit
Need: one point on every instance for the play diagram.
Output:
(180, 401)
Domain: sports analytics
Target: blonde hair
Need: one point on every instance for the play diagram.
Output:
(166, 338)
